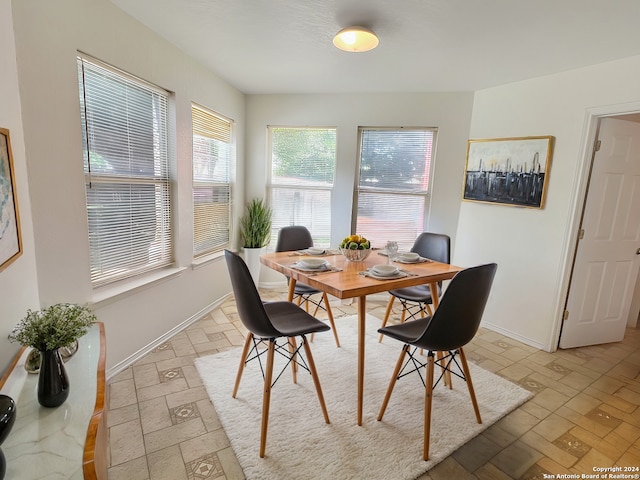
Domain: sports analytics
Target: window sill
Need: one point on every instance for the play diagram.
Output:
(206, 259)
(111, 293)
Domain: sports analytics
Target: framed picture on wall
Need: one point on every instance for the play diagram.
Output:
(508, 171)
(10, 239)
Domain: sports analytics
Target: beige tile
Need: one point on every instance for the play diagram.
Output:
(230, 465)
(197, 335)
(135, 469)
(116, 416)
(145, 375)
(122, 393)
(515, 372)
(553, 426)
(125, 442)
(209, 415)
(476, 453)
(517, 422)
(182, 347)
(186, 396)
(161, 389)
(154, 415)
(591, 459)
(167, 464)
(490, 472)
(583, 403)
(535, 410)
(550, 399)
(516, 459)
(544, 446)
(448, 469)
(173, 435)
(202, 445)
(126, 374)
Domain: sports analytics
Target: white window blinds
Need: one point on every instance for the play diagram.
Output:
(124, 131)
(302, 174)
(393, 183)
(212, 147)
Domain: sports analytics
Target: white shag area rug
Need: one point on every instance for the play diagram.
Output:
(300, 445)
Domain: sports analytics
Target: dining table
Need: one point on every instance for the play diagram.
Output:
(346, 279)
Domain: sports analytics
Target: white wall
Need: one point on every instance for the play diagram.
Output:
(48, 36)
(532, 247)
(18, 282)
(450, 112)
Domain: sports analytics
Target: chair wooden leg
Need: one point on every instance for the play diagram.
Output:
(386, 315)
(325, 299)
(427, 307)
(392, 383)
(316, 379)
(467, 375)
(243, 359)
(266, 398)
(294, 366)
(428, 397)
(315, 310)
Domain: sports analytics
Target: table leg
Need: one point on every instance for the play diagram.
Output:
(294, 365)
(434, 295)
(362, 325)
(292, 288)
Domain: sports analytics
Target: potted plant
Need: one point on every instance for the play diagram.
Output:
(255, 229)
(48, 330)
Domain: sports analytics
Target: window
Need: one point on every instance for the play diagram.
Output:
(393, 183)
(302, 171)
(211, 177)
(124, 132)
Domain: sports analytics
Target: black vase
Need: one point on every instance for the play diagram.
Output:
(53, 383)
(7, 417)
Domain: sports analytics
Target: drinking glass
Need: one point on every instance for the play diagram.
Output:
(391, 248)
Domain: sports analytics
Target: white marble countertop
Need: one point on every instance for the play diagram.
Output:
(49, 442)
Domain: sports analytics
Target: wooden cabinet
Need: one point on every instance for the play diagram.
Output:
(69, 441)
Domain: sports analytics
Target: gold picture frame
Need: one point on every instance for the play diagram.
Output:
(508, 171)
(10, 237)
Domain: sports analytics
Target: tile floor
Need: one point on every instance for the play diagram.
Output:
(585, 413)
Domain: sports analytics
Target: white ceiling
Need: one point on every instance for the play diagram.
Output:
(285, 46)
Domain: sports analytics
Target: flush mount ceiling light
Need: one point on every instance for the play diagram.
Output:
(355, 39)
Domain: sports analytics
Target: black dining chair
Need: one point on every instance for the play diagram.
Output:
(294, 238)
(269, 323)
(453, 325)
(417, 300)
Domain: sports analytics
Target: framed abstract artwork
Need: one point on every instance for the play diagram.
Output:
(10, 239)
(508, 171)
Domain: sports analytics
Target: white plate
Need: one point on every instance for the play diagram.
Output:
(398, 274)
(315, 251)
(408, 257)
(322, 268)
(385, 270)
(418, 260)
(312, 263)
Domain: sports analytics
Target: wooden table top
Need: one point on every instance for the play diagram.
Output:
(348, 282)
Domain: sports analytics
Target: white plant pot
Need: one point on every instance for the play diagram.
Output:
(252, 258)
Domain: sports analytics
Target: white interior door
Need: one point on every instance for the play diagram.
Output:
(607, 259)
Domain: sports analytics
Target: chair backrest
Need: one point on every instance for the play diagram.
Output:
(457, 318)
(250, 308)
(294, 237)
(435, 246)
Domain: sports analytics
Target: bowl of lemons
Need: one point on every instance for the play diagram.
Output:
(355, 248)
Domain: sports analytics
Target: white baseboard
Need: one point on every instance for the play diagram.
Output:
(515, 336)
(167, 336)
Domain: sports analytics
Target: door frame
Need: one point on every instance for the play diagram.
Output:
(581, 186)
